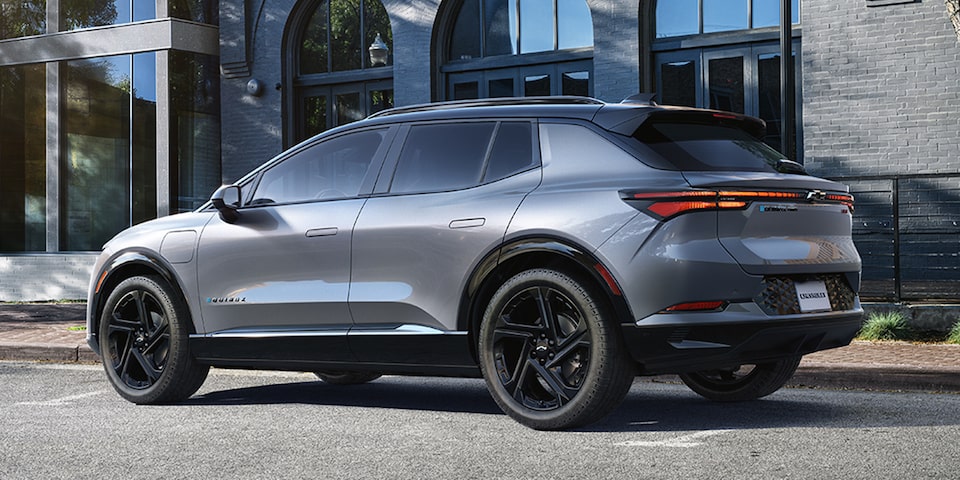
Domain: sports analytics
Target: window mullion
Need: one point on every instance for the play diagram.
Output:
(556, 26)
(329, 37)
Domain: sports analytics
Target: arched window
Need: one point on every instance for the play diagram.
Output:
(735, 64)
(341, 68)
(502, 48)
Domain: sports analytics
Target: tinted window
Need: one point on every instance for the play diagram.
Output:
(707, 147)
(331, 169)
(512, 151)
(442, 157)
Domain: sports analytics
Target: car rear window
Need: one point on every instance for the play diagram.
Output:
(705, 147)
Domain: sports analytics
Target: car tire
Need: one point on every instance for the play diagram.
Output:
(746, 382)
(144, 341)
(347, 378)
(562, 373)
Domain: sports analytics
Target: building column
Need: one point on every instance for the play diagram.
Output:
(53, 156)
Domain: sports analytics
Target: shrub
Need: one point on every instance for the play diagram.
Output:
(885, 326)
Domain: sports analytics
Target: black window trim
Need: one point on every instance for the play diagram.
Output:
(389, 168)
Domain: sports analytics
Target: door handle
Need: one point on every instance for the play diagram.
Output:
(467, 223)
(322, 232)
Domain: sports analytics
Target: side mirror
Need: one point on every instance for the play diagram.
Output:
(227, 201)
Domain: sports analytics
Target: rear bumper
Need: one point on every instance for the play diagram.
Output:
(686, 344)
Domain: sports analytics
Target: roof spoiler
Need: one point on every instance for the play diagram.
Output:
(627, 121)
(641, 99)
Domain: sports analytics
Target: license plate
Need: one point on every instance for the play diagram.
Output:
(813, 296)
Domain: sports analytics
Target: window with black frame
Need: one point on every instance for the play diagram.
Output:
(342, 65)
(505, 48)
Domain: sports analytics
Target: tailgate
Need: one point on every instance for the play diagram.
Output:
(791, 224)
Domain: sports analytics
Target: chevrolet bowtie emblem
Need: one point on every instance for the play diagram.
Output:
(816, 195)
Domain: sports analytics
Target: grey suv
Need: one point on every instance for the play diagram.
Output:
(557, 247)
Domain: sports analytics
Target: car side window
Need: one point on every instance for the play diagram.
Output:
(512, 151)
(442, 157)
(328, 170)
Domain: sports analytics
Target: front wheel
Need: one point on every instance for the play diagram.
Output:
(550, 353)
(743, 383)
(144, 341)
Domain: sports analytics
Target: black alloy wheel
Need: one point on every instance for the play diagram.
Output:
(144, 342)
(548, 354)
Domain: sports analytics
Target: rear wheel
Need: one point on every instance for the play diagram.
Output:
(144, 342)
(347, 378)
(551, 356)
(745, 382)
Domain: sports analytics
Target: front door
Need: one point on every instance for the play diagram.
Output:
(283, 267)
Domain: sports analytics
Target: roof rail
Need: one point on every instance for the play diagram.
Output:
(490, 102)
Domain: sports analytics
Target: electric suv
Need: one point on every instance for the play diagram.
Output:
(558, 247)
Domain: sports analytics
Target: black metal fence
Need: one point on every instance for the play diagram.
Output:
(907, 229)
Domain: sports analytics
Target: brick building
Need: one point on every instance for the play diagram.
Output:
(116, 111)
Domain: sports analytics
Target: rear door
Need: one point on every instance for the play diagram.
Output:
(448, 202)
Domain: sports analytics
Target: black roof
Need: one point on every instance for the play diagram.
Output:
(623, 118)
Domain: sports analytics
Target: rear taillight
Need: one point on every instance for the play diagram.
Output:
(670, 204)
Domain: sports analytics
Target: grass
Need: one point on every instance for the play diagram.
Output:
(954, 335)
(885, 326)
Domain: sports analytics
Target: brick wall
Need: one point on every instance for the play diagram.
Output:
(881, 88)
(252, 127)
(45, 276)
(616, 51)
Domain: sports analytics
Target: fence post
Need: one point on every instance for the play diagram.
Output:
(897, 280)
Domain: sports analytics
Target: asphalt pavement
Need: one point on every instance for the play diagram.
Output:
(53, 332)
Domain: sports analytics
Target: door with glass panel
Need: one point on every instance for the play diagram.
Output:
(728, 80)
(678, 78)
(324, 107)
(744, 79)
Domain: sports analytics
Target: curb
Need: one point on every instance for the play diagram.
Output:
(895, 378)
(38, 352)
(847, 376)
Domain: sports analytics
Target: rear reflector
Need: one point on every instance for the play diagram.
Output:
(697, 307)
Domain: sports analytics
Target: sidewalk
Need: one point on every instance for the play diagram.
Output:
(42, 332)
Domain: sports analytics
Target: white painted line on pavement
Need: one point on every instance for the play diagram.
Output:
(57, 402)
(686, 441)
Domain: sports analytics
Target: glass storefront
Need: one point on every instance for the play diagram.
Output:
(23, 158)
(195, 128)
(200, 11)
(108, 167)
(22, 18)
(79, 15)
(79, 146)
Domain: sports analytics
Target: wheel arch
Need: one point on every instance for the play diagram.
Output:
(522, 254)
(120, 267)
